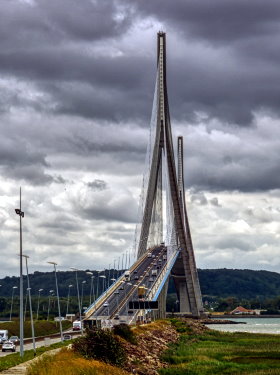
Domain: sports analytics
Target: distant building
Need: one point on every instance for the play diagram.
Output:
(242, 311)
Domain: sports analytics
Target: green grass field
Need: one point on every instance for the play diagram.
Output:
(41, 327)
(216, 352)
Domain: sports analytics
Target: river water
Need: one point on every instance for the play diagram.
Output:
(255, 325)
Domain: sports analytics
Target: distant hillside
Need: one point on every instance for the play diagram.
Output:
(239, 283)
(214, 282)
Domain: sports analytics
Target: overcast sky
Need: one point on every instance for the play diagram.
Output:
(76, 88)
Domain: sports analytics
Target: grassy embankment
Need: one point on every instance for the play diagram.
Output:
(214, 352)
(41, 327)
(14, 359)
(68, 363)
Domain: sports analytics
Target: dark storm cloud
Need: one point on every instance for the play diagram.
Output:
(236, 70)
(216, 21)
(19, 161)
(97, 185)
(52, 22)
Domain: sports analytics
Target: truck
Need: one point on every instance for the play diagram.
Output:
(141, 292)
(77, 325)
(4, 335)
(127, 275)
(149, 255)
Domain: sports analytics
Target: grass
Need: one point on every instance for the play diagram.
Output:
(68, 363)
(41, 327)
(215, 352)
(15, 359)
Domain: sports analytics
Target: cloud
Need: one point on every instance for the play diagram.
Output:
(76, 92)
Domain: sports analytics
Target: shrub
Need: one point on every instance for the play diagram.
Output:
(123, 330)
(100, 344)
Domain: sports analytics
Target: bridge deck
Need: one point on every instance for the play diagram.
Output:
(114, 302)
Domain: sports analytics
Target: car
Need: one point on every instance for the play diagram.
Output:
(136, 277)
(14, 339)
(67, 337)
(106, 304)
(121, 288)
(8, 345)
(135, 271)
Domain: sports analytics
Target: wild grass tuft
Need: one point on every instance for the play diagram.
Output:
(66, 362)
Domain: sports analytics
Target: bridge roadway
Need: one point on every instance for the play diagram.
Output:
(115, 302)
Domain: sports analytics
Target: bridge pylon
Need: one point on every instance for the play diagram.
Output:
(184, 270)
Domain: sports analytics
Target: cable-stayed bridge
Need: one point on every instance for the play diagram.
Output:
(163, 238)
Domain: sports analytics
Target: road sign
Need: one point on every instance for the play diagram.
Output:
(143, 305)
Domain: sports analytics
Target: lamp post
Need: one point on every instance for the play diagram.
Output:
(30, 303)
(69, 287)
(78, 295)
(21, 332)
(58, 302)
(11, 310)
(39, 292)
(82, 297)
(51, 293)
(108, 285)
(103, 277)
(91, 285)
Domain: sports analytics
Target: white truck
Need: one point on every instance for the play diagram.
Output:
(77, 325)
(154, 272)
(4, 335)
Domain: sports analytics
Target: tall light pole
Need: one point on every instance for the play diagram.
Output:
(58, 302)
(109, 276)
(91, 285)
(97, 287)
(51, 292)
(78, 295)
(21, 332)
(39, 293)
(11, 310)
(103, 277)
(30, 303)
(83, 283)
(69, 287)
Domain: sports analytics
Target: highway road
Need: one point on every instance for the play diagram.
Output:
(41, 342)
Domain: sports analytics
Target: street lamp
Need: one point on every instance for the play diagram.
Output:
(83, 283)
(13, 290)
(103, 277)
(39, 292)
(30, 303)
(51, 293)
(21, 332)
(58, 302)
(91, 286)
(78, 295)
(69, 287)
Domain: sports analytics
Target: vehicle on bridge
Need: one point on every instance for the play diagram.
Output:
(141, 292)
(154, 272)
(127, 275)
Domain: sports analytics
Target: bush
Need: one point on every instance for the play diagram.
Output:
(123, 330)
(102, 345)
